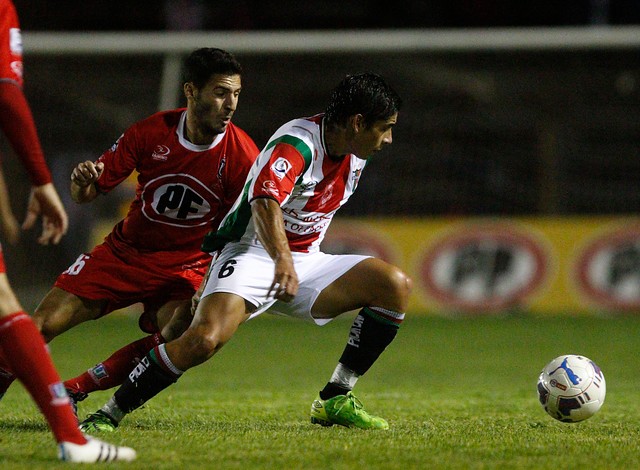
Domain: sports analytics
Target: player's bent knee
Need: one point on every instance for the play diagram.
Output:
(60, 311)
(48, 329)
(203, 343)
(399, 286)
(46, 323)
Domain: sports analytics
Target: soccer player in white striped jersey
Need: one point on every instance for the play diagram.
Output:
(270, 257)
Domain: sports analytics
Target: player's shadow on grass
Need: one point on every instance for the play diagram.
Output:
(22, 425)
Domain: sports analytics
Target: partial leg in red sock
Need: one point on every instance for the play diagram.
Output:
(114, 370)
(24, 349)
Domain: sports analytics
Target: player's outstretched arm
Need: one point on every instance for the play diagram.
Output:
(82, 178)
(44, 201)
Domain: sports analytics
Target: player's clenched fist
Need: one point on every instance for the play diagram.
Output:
(82, 178)
(86, 173)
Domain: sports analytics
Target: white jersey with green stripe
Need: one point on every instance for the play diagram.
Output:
(295, 169)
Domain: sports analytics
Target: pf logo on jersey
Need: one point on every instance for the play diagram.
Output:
(179, 200)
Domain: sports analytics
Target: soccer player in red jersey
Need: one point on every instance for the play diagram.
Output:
(191, 163)
(21, 344)
(270, 258)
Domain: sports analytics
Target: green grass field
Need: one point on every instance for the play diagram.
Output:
(457, 394)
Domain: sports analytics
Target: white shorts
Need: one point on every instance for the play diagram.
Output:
(247, 271)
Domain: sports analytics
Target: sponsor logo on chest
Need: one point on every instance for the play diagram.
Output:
(161, 153)
(180, 200)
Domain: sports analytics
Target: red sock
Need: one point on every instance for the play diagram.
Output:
(25, 351)
(114, 370)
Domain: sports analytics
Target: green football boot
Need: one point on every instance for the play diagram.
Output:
(98, 422)
(345, 410)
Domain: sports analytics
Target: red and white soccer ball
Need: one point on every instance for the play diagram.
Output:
(571, 388)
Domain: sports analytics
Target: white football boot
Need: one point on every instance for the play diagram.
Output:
(94, 451)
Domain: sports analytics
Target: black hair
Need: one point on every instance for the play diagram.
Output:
(365, 93)
(202, 63)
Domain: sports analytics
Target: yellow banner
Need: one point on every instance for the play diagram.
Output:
(490, 265)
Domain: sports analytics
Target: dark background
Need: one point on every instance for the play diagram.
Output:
(316, 14)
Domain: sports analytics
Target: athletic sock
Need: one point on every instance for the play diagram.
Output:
(154, 373)
(373, 329)
(342, 381)
(25, 351)
(333, 390)
(114, 370)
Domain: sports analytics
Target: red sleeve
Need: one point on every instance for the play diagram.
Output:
(16, 122)
(119, 161)
(10, 44)
(278, 175)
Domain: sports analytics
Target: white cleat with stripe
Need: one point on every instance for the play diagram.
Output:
(94, 451)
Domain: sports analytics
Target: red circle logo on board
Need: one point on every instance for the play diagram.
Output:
(484, 268)
(608, 269)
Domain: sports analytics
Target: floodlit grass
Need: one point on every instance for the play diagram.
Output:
(457, 393)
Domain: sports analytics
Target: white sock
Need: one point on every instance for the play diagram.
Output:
(344, 377)
(113, 410)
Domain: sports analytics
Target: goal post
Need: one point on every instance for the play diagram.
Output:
(557, 38)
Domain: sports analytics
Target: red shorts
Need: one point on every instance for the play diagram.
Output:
(124, 279)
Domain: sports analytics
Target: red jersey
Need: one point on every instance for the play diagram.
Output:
(183, 190)
(11, 44)
(16, 121)
(10, 57)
